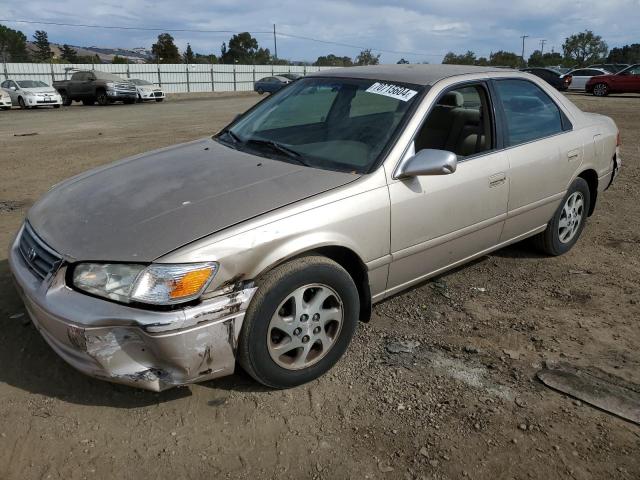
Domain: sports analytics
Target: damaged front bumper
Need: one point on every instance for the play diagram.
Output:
(154, 350)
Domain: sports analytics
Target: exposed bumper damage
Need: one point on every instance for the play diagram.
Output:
(154, 350)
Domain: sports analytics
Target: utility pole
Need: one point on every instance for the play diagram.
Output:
(542, 42)
(275, 43)
(523, 37)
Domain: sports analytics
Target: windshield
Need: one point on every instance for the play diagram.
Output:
(31, 84)
(334, 124)
(138, 81)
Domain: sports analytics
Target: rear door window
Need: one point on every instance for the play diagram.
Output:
(529, 112)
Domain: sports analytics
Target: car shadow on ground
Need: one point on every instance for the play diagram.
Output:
(29, 364)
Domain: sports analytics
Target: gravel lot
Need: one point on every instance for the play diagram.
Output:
(462, 402)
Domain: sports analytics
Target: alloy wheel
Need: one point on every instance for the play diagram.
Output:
(571, 217)
(305, 326)
(600, 90)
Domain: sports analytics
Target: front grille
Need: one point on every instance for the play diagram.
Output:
(125, 86)
(40, 258)
(157, 94)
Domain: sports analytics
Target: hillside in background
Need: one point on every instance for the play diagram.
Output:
(135, 55)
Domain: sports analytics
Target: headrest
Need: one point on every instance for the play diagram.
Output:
(452, 99)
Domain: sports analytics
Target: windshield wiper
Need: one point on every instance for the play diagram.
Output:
(234, 137)
(289, 152)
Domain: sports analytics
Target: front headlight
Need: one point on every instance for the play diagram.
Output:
(110, 85)
(156, 284)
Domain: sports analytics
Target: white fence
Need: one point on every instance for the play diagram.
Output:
(176, 78)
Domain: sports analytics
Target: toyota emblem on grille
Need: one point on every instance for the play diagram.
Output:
(31, 254)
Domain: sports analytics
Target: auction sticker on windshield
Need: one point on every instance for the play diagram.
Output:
(393, 91)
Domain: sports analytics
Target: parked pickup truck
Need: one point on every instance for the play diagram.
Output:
(90, 86)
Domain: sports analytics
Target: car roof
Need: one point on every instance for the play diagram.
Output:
(416, 74)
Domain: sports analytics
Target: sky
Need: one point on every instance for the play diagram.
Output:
(416, 30)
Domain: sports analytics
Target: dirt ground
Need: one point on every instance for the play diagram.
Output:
(464, 402)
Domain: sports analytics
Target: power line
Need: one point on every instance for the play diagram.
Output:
(113, 27)
(192, 30)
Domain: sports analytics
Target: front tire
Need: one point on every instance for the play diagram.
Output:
(601, 89)
(260, 91)
(102, 98)
(299, 323)
(22, 104)
(567, 223)
(66, 101)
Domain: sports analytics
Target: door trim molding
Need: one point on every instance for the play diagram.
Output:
(434, 242)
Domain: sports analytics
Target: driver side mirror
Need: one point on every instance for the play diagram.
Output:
(428, 162)
(12, 88)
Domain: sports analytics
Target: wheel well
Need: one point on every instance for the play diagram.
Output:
(351, 262)
(591, 177)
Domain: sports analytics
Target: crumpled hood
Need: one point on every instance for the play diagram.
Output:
(141, 208)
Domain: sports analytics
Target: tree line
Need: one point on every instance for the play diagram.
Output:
(578, 50)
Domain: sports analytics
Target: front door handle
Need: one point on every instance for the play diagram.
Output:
(497, 179)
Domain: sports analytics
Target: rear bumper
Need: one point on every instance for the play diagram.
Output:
(154, 350)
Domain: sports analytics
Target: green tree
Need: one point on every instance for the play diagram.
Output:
(118, 59)
(13, 45)
(244, 49)
(505, 59)
(332, 60)
(200, 58)
(188, 55)
(366, 57)
(69, 54)
(402, 61)
(625, 54)
(584, 48)
(43, 51)
(165, 50)
(538, 59)
(468, 58)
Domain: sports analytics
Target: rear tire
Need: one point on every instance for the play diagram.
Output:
(601, 89)
(312, 335)
(567, 223)
(102, 98)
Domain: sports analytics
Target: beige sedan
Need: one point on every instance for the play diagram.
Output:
(265, 244)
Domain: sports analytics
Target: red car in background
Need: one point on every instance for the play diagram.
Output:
(625, 81)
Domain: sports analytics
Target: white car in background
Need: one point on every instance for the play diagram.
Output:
(5, 101)
(147, 91)
(31, 93)
(580, 76)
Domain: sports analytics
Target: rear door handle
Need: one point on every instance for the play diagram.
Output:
(497, 179)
